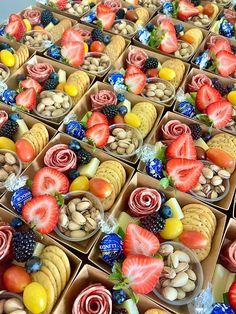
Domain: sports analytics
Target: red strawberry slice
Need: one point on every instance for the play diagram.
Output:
(169, 44)
(226, 63)
(143, 272)
(106, 16)
(30, 82)
(97, 118)
(184, 173)
(98, 134)
(16, 29)
(132, 69)
(49, 181)
(182, 147)
(43, 212)
(74, 53)
(186, 9)
(135, 79)
(61, 4)
(221, 44)
(26, 99)
(140, 241)
(69, 35)
(220, 113)
(232, 295)
(14, 17)
(206, 95)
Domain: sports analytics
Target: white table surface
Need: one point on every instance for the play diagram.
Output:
(12, 6)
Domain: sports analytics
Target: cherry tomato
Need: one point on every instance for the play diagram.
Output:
(15, 279)
(100, 187)
(208, 9)
(193, 239)
(35, 298)
(152, 73)
(201, 154)
(25, 150)
(220, 158)
(131, 15)
(173, 228)
(97, 46)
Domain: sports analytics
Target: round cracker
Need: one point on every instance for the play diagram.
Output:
(55, 272)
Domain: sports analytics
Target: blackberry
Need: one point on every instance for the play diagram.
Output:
(120, 14)
(196, 2)
(9, 129)
(120, 311)
(110, 111)
(51, 84)
(219, 86)
(23, 244)
(97, 34)
(46, 17)
(230, 87)
(150, 27)
(153, 223)
(84, 157)
(151, 63)
(196, 130)
(206, 136)
(55, 21)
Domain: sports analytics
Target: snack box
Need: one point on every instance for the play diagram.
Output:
(89, 275)
(83, 246)
(203, 47)
(41, 65)
(84, 106)
(75, 261)
(223, 204)
(111, 50)
(180, 66)
(140, 180)
(224, 81)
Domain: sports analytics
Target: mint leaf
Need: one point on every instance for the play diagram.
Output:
(115, 276)
(60, 199)
(161, 154)
(204, 118)
(164, 182)
(176, 8)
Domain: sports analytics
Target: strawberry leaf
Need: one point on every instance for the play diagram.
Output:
(161, 154)
(164, 182)
(60, 199)
(204, 118)
(115, 277)
(29, 183)
(175, 9)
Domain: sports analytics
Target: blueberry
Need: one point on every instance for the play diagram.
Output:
(130, 7)
(119, 296)
(16, 222)
(150, 27)
(92, 5)
(74, 145)
(179, 28)
(14, 116)
(122, 110)
(55, 21)
(106, 39)
(165, 211)
(33, 264)
(20, 77)
(120, 97)
(206, 136)
(73, 174)
(163, 197)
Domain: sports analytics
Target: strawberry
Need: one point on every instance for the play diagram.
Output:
(106, 16)
(61, 4)
(26, 99)
(220, 113)
(221, 44)
(98, 134)
(225, 63)
(48, 181)
(96, 118)
(135, 79)
(16, 29)
(205, 96)
(182, 147)
(43, 212)
(232, 295)
(69, 35)
(14, 17)
(74, 53)
(169, 43)
(140, 241)
(186, 9)
(30, 82)
(143, 272)
(184, 173)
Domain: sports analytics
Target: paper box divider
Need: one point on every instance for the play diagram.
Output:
(141, 180)
(86, 245)
(75, 261)
(84, 105)
(155, 136)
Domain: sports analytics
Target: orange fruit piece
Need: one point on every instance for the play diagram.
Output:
(38, 28)
(188, 38)
(208, 9)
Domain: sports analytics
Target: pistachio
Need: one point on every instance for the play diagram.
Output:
(72, 207)
(169, 293)
(180, 294)
(166, 249)
(191, 274)
(78, 218)
(92, 223)
(10, 159)
(190, 286)
(164, 282)
(168, 272)
(200, 193)
(214, 168)
(206, 188)
(12, 304)
(63, 220)
(212, 194)
(180, 280)
(182, 267)
(3, 175)
(121, 135)
(202, 179)
(78, 234)
(198, 187)
(216, 180)
(179, 256)
(84, 205)
(207, 172)
(73, 226)
(224, 174)
(220, 189)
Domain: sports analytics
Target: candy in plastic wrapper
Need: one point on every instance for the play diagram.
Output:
(154, 168)
(116, 78)
(226, 29)
(2, 30)
(203, 303)
(20, 197)
(167, 8)
(89, 18)
(108, 225)
(75, 129)
(14, 182)
(54, 52)
(148, 153)
(186, 108)
(70, 117)
(144, 35)
(3, 88)
(180, 95)
(111, 247)
(118, 88)
(221, 308)
(202, 60)
(9, 96)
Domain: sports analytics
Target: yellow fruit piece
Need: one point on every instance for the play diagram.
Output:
(132, 119)
(6, 143)
(79, 184)
(173, 228)
(71, 90)
(86, 48)
(27, 25)
(61, 86)
(232, 97)
(7, 58)
(35, 298)
(200, 8)
(139, 22)
(167, 74)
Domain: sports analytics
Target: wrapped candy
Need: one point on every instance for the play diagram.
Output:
(20, 197)
(9, 96)
(226, 29)
(14, 182)
(144, 35)
(90, 17)
(111, 247)
(202, 60)
(54, 52)
(75, 129)
(167, 8)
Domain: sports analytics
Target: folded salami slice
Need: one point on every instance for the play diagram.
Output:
(6, 233)
(33, 15)
(228, 256)
(102, 98)
(230, 16)
(95, 299)
(84, 33)
(136, 57)
(40, 71)
(197, 82)
(3, 117)
(115, 5)
(173, 129)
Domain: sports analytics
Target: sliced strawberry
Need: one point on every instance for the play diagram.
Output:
(226, 63)
(61, 4)
(221, 44)
(43, 212)
(26, 99)
(220, 113)
(169, 43)
(49, 181)
(143, 272)
(97, 118)
(206, 95)
(135, 79)
(16, 29)
(186, 9)
(14, 17)
(30, 82)
(98, 134)
(106, 16)
(140, 241)
(69, 35)
(232, 295)
(132, 69)
(184, 173)
(182, 147)
(74, 53)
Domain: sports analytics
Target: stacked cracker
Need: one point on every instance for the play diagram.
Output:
(81, 80)
(225, 142)
(59, 29)
(21, 56)
(115, 47)
(143, 14)
(178, 67)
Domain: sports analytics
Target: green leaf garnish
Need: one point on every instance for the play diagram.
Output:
(161, 153)
(164, 182)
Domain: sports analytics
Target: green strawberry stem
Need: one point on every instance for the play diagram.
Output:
(205, 118)
(60, 198)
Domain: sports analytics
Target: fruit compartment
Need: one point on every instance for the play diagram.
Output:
(223, 204)
(141, 180)
(60, 138)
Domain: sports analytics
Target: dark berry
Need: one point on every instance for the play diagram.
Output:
(119, 311)
(165, 211)
(206, 136)
(219, 86)
(73, 174)
(14, 116)
(163, 197)
(150, 27)
(119, 296)
(97, 34)
(16, 222)
(51, 84)
(23, 244)
(83, 156)
(92, 5)
(110, 111)
(122, 110)
(153, 223)
(54, 76)
(130, 7)
(179, 28)
(106, 39)
(120, 14)
(6, 46)
(74, 145)
(196, 2)
(55, 21)
(46, 17)
(120, 97)
(151, 63)
(33, 264)
(9, 129)
(230, 87)
(196, 130)
(20, 77)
